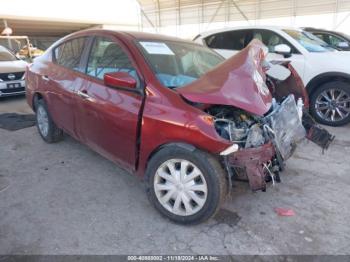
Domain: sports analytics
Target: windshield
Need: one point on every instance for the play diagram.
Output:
(310, 42)
(178, 63)
(6, 55)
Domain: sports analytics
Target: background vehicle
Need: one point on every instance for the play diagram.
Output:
(144, 102)
(335, 39)
(21, 46)
(11, 73)
(31, 52)
(324, 71)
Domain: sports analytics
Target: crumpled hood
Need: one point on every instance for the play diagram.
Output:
(238, 82)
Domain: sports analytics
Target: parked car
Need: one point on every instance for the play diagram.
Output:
(171, 111)
(335, 39)
(324, 71)
(11, 73)
(34, 52)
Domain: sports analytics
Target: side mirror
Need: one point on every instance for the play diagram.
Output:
(283, 49)
(343, 45)
(119, 80)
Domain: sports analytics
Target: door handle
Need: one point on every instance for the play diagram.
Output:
(83, 94)
(46, 78)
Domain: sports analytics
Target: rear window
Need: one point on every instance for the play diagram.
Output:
(69, 53)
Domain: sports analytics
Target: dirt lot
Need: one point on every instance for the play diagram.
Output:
(65, 199)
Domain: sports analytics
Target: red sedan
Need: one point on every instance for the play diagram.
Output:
(171, 111)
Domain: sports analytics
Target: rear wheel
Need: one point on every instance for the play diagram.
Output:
(46, 127)
(330, 104)
(186, 186)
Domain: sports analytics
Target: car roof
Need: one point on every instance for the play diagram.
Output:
(128, 34)
(274, 28)
(317, 29)
(312, 29)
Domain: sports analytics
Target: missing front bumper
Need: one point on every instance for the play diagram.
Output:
(252, 161)
(283, 129)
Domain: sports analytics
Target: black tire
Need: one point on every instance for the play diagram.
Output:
(54, 134)
(214, 174)
(339, 85)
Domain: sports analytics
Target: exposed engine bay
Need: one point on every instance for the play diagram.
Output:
(238, 126)
(265, 142)
(282, 125)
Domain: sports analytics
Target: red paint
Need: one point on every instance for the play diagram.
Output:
(292, 85)
(284, 212)
(128, 127)
(252, 159)
(108, 121)
(119, 79)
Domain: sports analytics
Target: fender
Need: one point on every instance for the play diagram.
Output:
(186, 146)
(326, 77)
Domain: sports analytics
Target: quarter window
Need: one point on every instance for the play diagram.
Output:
(69, 53)
(107, 56)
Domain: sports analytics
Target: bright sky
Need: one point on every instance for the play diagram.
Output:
(101, 11)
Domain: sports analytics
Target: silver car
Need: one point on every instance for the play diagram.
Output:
(11, 73)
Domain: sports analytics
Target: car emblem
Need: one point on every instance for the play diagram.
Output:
(11, 76)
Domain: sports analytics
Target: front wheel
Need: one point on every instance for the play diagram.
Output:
(186, 186)
(330, 103)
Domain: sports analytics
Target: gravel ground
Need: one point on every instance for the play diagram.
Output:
(65, 199)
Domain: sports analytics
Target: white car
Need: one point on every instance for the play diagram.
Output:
(11, 73)
(324, 71)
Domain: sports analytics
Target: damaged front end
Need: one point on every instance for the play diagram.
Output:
(265, 142)
(261, 108)
(290, 83)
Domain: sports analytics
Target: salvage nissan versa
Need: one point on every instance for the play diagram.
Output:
(173, 112)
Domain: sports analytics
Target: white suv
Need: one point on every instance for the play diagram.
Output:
(325, 72)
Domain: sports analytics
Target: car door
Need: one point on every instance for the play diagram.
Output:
(108, 116)
(61, 81)
(229, 43)
(271, 39)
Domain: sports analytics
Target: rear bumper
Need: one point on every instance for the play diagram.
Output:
(5, 91)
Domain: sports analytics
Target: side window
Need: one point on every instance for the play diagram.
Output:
(322, 37)
(231, 40)
(69, 53)
(107, 56)
(271, 39)
(214, 41)
(334, 40)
